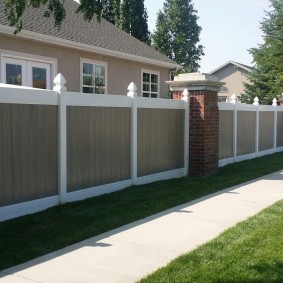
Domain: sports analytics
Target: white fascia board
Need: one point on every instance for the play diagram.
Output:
(84, 47)
(233, 63)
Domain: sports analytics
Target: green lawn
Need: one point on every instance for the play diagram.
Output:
(252, 251)
(34, 235)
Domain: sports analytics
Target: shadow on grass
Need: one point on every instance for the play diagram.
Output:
(101, 242)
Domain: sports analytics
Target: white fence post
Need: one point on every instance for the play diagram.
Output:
(132, 88)
(256, 103)
(274, 102)
(235, 134)
(275, 125)
(186, 99)
(59, 82)
(233, 98)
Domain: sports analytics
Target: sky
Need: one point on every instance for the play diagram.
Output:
(229, 28)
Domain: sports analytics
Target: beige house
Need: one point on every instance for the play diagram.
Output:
(93, 57)
(234, 75)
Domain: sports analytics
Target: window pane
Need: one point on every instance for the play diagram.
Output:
(87, 68)
(99, 76)
(154, 79)
(39, 77)
(88, 90)
(99, 71)
(154, 88)
(154, 95)
(145, 87)
(146, 77)
(13, 74)
(100, 90)
(87, 80)
(99, 81)
(145, 94)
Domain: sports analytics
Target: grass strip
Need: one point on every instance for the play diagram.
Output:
(30, 236)
(251, 251)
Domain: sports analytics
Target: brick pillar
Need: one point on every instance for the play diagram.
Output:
(204, 120)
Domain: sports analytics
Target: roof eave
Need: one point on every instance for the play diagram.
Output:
(230, 62)
(85, 47)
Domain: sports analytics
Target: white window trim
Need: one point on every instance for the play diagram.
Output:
(27, 57)
(150, 72)
(94, 62)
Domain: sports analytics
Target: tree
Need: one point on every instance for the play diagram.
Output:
(133, 19)
(15, 9)
(130, 15)
(266, 79)
(111, 11)
(177, 34)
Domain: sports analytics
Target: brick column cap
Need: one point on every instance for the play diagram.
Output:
(195, 81)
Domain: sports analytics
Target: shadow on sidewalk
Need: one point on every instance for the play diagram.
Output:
(98, 241)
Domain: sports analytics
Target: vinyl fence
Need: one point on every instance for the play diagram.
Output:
(61, 147)
(248, 131)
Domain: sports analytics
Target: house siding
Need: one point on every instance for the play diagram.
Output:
(234, 77)
(120, 72)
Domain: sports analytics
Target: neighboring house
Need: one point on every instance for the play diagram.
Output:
(93, 57)
(234, 75)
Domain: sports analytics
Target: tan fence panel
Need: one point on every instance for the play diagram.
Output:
(160, 140)
(98, 146)
(246, 132)
(225, 134)
(266, 130)
(279, 129)
(28, 152)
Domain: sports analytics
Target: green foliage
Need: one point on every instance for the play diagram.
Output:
(111, 11)
(130, 15)
(133, 19)
(266, 80)
(14, 10)
(177, 34)
(249, 252)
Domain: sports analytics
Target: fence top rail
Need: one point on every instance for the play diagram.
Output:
(248, 107)
(268, 108)
(160, 103)
(108, 100)
(226, 106)
(26, 95)
(100, 100)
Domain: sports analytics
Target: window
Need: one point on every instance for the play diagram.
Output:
(223, 89)
(24, 72)
(150, 84)
(222, 98)
(93, 77)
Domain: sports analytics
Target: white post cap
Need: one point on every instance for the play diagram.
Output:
(132, 88)
(59, 82)
(256, 101)
(233, 98)
(274, 102)
(186, 95)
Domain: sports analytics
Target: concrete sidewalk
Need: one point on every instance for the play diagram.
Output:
(132, 251)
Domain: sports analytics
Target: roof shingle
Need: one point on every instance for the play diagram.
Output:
(74, 28)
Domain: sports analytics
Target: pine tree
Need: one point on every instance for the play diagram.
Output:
(111, 11)
(266, 79)
(177, 34)
(133, 19)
